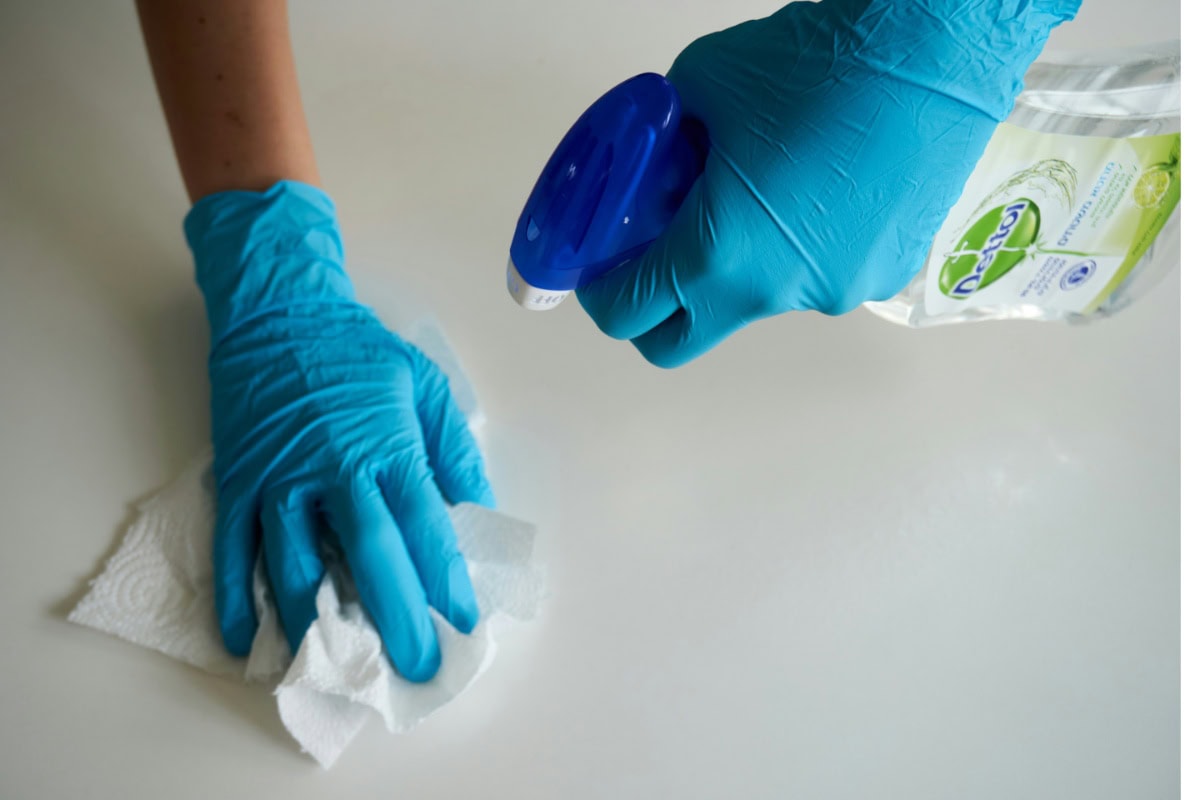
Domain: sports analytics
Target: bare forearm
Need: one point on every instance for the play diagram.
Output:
(228, 86)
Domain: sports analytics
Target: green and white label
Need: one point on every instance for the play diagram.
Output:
(1052, 220)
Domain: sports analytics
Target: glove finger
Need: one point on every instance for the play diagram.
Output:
(420, 511)
(681, 339)
(453, 453)
(290, 536)
(636, 297)
(385, 577)
(234, 547)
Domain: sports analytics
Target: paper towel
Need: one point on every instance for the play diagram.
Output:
(157, 591)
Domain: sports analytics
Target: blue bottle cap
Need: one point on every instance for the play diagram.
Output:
(608, 191)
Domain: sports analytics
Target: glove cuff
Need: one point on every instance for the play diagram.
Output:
(257, 252)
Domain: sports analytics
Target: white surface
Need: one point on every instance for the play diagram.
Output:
(835, 558)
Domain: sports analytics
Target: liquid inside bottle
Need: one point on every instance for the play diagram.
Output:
(1072, 213)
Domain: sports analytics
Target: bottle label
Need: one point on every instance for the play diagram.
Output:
(1052, 220)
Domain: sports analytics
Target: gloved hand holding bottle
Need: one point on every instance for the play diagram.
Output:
(320, 415)
(840, 135)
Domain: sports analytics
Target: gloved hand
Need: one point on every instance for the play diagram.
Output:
(320, 413)
(841, 134)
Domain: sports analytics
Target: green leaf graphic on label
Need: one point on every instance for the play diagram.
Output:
(997, 242)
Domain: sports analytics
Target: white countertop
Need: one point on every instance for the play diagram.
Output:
(834, 558)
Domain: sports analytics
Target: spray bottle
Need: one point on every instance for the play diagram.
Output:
(1071, 213)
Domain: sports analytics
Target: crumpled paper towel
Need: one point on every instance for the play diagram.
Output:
(157, 591)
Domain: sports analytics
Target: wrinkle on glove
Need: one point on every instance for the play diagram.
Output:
(841, 133)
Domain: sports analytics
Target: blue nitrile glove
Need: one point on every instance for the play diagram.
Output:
(841, 134)
(319, 413)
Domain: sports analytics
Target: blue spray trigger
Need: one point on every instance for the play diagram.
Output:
(610, 189)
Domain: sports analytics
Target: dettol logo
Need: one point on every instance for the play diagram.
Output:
(997, 242)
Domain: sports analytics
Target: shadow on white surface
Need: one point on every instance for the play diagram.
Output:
(245, 704)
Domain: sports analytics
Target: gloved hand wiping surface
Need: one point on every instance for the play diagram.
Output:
(323, 416)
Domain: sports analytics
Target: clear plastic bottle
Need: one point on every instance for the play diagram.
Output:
(1072, 213)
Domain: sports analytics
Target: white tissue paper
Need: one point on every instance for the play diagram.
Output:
(157, 591)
